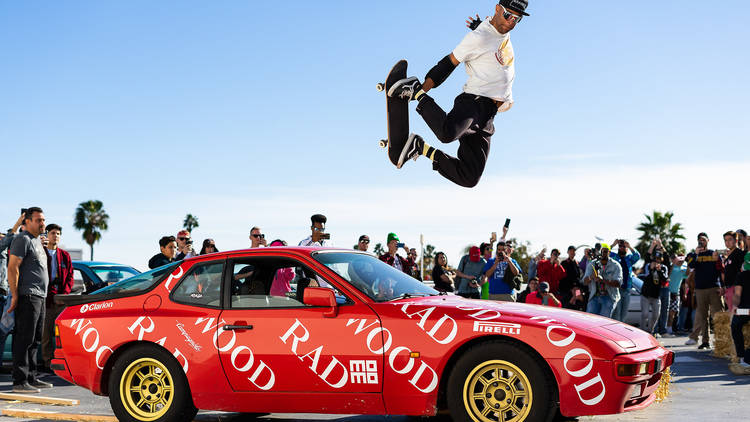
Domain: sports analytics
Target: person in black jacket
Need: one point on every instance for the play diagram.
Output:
(168, 250)
(655, 277)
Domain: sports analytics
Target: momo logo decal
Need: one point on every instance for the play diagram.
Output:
(497, 327)
(363, 371)
(197, 347)
(96, 306)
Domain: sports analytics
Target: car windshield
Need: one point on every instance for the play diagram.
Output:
(139, 282)
(376, 279)
(113, 273)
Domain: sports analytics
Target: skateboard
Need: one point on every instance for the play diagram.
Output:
(397, 110)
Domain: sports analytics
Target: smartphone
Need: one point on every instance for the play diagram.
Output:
(325, 236)
(507, 223)
(400, 245)
(23, 210)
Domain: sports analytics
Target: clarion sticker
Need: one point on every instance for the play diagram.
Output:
(497, 327)
(96, 306)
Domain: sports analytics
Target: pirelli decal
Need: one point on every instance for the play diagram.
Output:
(497, 327)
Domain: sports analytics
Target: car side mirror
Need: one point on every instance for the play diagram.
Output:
(323, 297)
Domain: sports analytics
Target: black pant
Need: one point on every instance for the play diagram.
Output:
(471, 122)
(739, 341)
(29, 316)
(472, 295)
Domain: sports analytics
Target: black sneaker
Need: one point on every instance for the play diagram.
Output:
(704, 346)
(405, 88)
(40, 384)
(25, 388)
(412, 149)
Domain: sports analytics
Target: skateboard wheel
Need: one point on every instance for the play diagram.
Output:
(380, 87)
(383, 143)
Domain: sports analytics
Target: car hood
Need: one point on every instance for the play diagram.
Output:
(623, 335)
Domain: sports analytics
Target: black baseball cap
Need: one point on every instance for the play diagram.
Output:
(742, 232)
(517, 5)
(364, 237)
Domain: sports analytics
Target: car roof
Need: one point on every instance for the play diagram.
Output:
(301, 250)
(99, 263)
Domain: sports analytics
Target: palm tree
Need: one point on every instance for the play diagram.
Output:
(660, 224)
(429, 255)
(190, 222)
(378, 249)
(91, 218)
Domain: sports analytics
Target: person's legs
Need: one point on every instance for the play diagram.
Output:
(26, 316)
(663, 310)
(644, 314)
(37, 341)
(656, 306)
(700, 324)
(594, 306)
(471, 122)
(623, 304)
(607, 306)
(739, 340)
(48, 334)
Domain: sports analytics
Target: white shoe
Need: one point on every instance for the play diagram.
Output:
(691, 342)
(657, 335)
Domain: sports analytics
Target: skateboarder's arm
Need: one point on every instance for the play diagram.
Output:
(440, 72)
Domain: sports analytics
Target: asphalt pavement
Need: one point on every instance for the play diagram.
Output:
(702, 389)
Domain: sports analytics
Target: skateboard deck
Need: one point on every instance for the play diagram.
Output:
(397, 110)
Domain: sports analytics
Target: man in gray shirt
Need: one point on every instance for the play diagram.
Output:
(28, 280)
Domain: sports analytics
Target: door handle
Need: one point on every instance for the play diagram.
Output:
(237, 327)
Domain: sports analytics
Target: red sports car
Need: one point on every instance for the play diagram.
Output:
(337, 331)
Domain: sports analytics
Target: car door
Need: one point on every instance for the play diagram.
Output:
(268, 340)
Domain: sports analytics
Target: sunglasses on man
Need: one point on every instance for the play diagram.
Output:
(183, 238)
(364, 241)
(511, 16)
(259, 236)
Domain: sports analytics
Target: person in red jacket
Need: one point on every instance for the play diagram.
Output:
(60, 270)
(551, 271)
(542, 296)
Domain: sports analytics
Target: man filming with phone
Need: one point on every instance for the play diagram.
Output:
(318, 236)
(604, 277)
(394, 259)
(495, 270)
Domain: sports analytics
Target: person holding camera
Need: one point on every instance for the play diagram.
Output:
(496, 269)
(318, 234)
(469, 274)
(542, 296)
(654, 278)
(392, 258)
(28, 280)
(604, 278)
(184, 245)
(626, 256)
(570, 285)
(167, 252)
(257, 238)
(709, 289)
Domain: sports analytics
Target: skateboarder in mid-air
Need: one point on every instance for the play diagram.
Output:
(488, 56)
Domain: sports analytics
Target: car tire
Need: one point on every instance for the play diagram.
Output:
(147, 384)
(499, 378)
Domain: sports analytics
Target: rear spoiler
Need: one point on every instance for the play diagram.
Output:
(72, 300)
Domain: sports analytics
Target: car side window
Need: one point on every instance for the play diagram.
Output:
(201, 285)
(79, 286)
(271, 283)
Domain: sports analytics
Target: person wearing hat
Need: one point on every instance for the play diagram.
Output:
(709, 289)
(604, 278)
(542, 296)
(394, 259)
(487, 53)
(655, 278)
(469, 273)
(363, 244)
(184, 245)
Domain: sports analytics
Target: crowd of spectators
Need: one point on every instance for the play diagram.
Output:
(678, 294)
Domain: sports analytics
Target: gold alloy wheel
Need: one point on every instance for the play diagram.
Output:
(497, 391)
(146, 389)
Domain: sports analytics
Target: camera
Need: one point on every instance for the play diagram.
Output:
(325, 235)
(189, 242)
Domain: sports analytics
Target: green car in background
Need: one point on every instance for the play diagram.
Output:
(88, 276)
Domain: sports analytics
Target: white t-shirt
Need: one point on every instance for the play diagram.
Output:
(489, 61)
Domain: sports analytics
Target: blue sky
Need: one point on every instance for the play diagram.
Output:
(234, 110)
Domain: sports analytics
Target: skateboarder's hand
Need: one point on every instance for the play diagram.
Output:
(473, 23)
